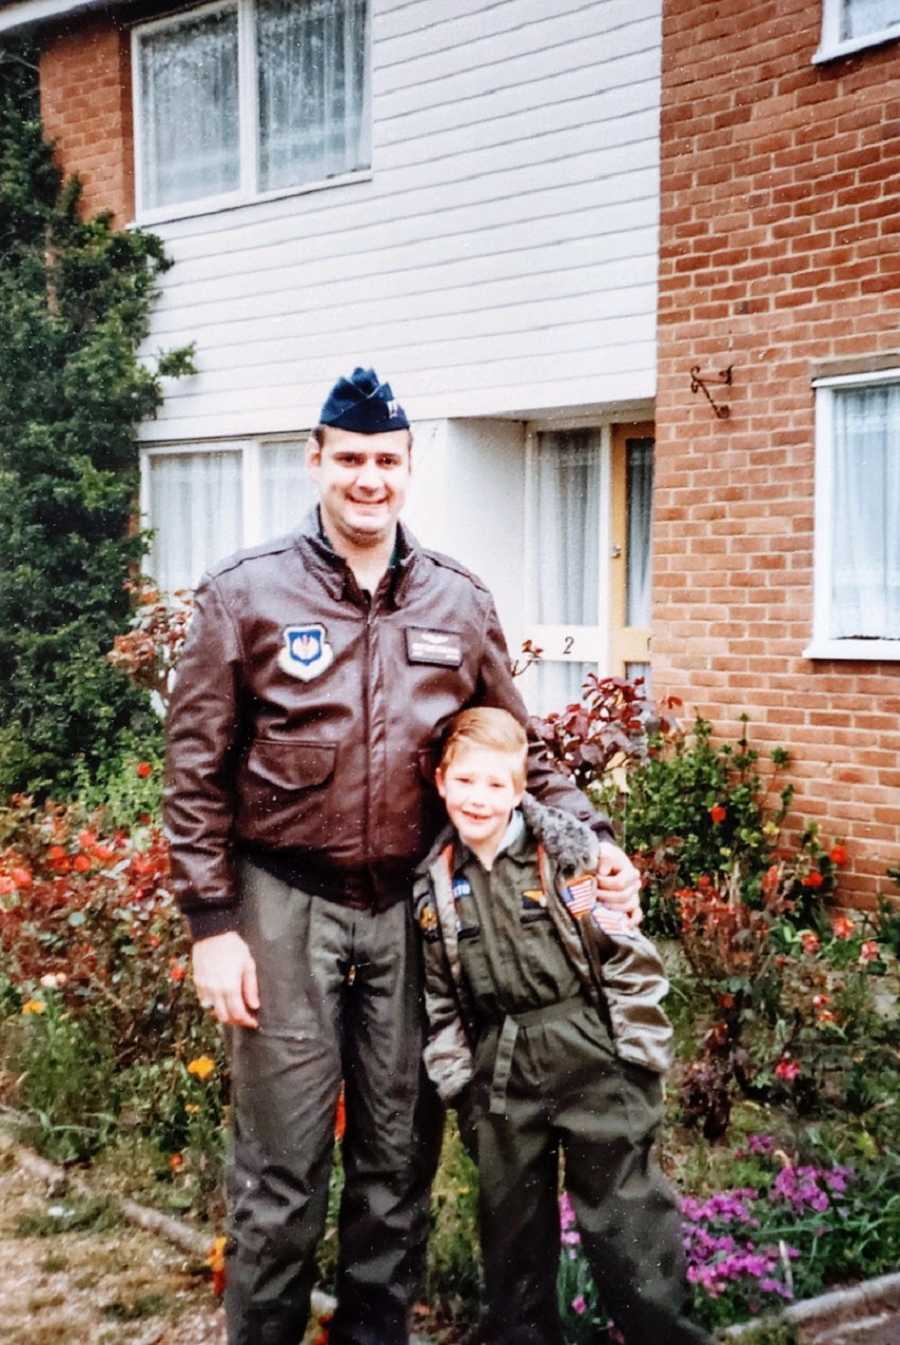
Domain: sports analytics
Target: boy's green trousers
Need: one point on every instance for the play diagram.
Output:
(554, 1084)
(340, 993)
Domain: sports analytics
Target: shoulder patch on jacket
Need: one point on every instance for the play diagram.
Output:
(427, 919)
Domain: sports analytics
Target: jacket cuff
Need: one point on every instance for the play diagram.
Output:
(205, 924)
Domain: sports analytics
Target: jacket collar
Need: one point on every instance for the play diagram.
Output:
(312, 538)
(569, 842)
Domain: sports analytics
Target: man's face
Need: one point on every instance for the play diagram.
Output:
(479, 786)
(363, 480)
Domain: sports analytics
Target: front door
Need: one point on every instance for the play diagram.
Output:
(587, 563)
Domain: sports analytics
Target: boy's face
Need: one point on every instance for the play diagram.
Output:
(480, 791)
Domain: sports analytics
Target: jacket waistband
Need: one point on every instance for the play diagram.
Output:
(364, 887)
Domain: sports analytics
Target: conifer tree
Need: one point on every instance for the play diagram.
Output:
(74, 302)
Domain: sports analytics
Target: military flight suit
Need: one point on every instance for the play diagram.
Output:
(545, 1078)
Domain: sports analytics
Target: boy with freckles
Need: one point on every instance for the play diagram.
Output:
(546, 1033)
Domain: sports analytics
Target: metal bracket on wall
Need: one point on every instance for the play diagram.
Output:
(698, 384)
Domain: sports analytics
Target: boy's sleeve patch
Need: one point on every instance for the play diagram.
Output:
(580, 894)
(613, 921)
(428, 921)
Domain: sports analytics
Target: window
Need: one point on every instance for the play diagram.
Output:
(849, 25)
(249, 98)
(857, 570)
(204, 503)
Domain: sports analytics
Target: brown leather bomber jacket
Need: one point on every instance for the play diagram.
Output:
(305, 720)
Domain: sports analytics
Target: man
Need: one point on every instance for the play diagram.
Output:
(310, 697)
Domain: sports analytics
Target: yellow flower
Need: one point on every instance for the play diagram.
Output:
(34, 1006)
(192, 1108)
(202, 1067)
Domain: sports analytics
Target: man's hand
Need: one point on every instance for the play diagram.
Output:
(225, 978)
(619, 882)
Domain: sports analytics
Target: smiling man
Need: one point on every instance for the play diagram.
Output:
(318, 674)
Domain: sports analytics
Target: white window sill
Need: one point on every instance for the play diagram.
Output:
(237, 201)
(872, 651)
(833, 50)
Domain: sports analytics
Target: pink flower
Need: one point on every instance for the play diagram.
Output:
(579, 1305)
(869, 951)
(787, 1069)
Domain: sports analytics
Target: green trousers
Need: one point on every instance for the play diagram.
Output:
(340, 994)
(563, 1090)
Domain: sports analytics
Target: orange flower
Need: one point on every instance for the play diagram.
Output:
(21, 877)
(81, 863)
(86, 839)
(842, 927)
(202, 1067)
(143, 769)
(825, 1016)
(36, 1006)
(340, 1117)
(216, 1262)
(7, 886)
(839, 855)
(718, 813)
(813, 879)
(177, 971)
(811, 942)
(57, 852)
(176, 1161)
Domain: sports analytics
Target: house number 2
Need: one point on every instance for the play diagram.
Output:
(568, 644)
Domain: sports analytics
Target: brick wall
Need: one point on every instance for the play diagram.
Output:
(86, 106)
(780, 250)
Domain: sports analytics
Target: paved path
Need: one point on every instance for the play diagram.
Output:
(109, 1284)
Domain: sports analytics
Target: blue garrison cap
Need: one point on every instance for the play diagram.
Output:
(363, 404)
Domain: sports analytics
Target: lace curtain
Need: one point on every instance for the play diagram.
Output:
(311, 85)
(563, 512)
(190, 132)
(859, 17)
(866, 514)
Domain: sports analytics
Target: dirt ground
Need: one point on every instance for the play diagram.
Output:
(96, 1281)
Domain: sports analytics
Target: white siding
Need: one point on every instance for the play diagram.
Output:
(501, 259)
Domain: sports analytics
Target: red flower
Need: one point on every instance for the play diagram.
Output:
(143, 769)
(819, 1001)
(340, 1117)
(787, 1069)
(81, 863)
(813, 879)
(839, 855)
(21, 877)
(718, 813)
(56, 852)
(176, 1161)
(177, 972)
(842, 927)
(86, 839)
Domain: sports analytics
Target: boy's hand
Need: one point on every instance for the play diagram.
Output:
(225, 978)
(619, 882)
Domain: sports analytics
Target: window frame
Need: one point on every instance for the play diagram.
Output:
(832, 45)
(248, 120)
(823, 644)
(251, 449)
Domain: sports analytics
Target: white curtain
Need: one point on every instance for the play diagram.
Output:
(190, 136)
(195, 510)
(639, 498)
(311, 57)
(563, 513)
(859, 17)
(287, 490)
(866, 513)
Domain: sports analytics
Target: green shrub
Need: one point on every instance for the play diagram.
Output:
(74, 301)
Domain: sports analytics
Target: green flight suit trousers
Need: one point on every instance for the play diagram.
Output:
(566, 1091)
(341, 998)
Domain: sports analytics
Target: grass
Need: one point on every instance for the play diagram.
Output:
(91, 1214)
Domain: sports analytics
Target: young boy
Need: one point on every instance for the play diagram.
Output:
(545, 1031)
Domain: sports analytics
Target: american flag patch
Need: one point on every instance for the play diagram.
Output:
(611, 921)
(580, 894)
